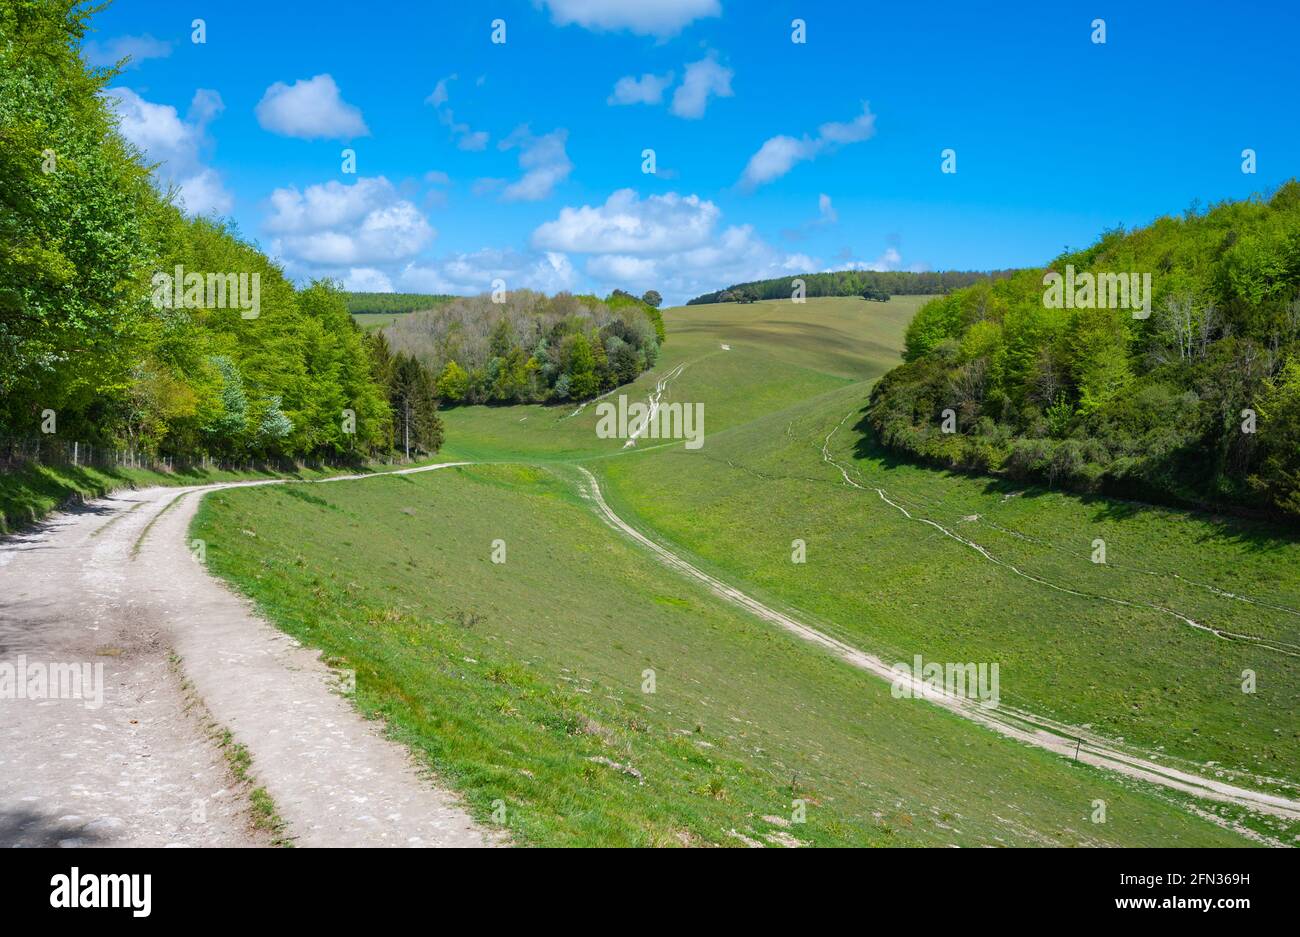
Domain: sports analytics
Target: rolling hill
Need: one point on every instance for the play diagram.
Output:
(546, 652)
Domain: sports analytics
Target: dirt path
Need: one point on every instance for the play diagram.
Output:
(1020, 726)
(660, 386)
(114, 584)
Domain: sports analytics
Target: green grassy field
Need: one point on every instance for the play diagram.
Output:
(773, 360)
(898, 587)
(369, 321)
(522, 682)
(399, 567)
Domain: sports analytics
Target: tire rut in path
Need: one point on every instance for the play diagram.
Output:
(117, 578)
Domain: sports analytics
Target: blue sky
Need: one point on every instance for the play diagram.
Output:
(523, 160)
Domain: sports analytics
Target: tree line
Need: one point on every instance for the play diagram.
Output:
(526, 347)
(98, 345)
(392, 303)
(1191, 395)
(871, 284)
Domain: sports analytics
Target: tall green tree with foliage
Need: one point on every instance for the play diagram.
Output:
(87, 333)
(78, 226)
(527, 349)
(1192, 397)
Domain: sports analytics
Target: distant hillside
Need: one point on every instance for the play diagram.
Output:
(1162, 363)
(392, 303)
(854, 283)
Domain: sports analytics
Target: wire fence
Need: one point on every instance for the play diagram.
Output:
(51, 450)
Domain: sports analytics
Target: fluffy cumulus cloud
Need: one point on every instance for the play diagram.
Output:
(735, 255)
(367, 280)
(779, 154)
(544, 162)
(137, 49)
(703, 80)
(659, 18)
(626, 223)
(668, 242)
(473, 272)
(333, 226)
(310, 109)
(373, 240)
(176, 144)
(648, 89)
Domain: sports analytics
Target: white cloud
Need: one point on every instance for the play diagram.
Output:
(137, 48)
(473, 272)
(176, 145)
(860, 128)
(778, 155)
(667, 242)
(310, 109)
(659, 18)
(367, 280)
(544, 161)
(703, 79)
(628, 224)
(335, 225)
(157, 129)
(204, 194)
(621, 268)
(736, 255)
(466, 138)
(648, 89)
(775, 158)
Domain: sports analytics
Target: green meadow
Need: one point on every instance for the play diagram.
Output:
(777, 354)
(522, 682)
(369, 321)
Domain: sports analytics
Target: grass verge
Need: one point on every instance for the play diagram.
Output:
(263, 815)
